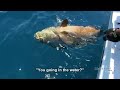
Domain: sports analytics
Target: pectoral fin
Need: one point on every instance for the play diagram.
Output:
(64, 32)
(68, 34)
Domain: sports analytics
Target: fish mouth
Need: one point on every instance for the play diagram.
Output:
(36, 36)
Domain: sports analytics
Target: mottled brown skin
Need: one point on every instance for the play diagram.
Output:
(77, 31)
(69, 35)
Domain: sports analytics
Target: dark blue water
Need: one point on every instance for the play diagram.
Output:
(21, 56)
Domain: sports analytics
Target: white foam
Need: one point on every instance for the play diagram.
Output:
(20, 69)
(67, 54)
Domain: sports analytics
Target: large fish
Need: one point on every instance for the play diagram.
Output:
(67, 35)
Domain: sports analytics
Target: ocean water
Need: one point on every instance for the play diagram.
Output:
(22, 57)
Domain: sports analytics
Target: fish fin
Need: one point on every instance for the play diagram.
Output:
(64, 32)
(69, 34)
(64, 23)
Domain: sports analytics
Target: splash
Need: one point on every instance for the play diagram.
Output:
(58, 20)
